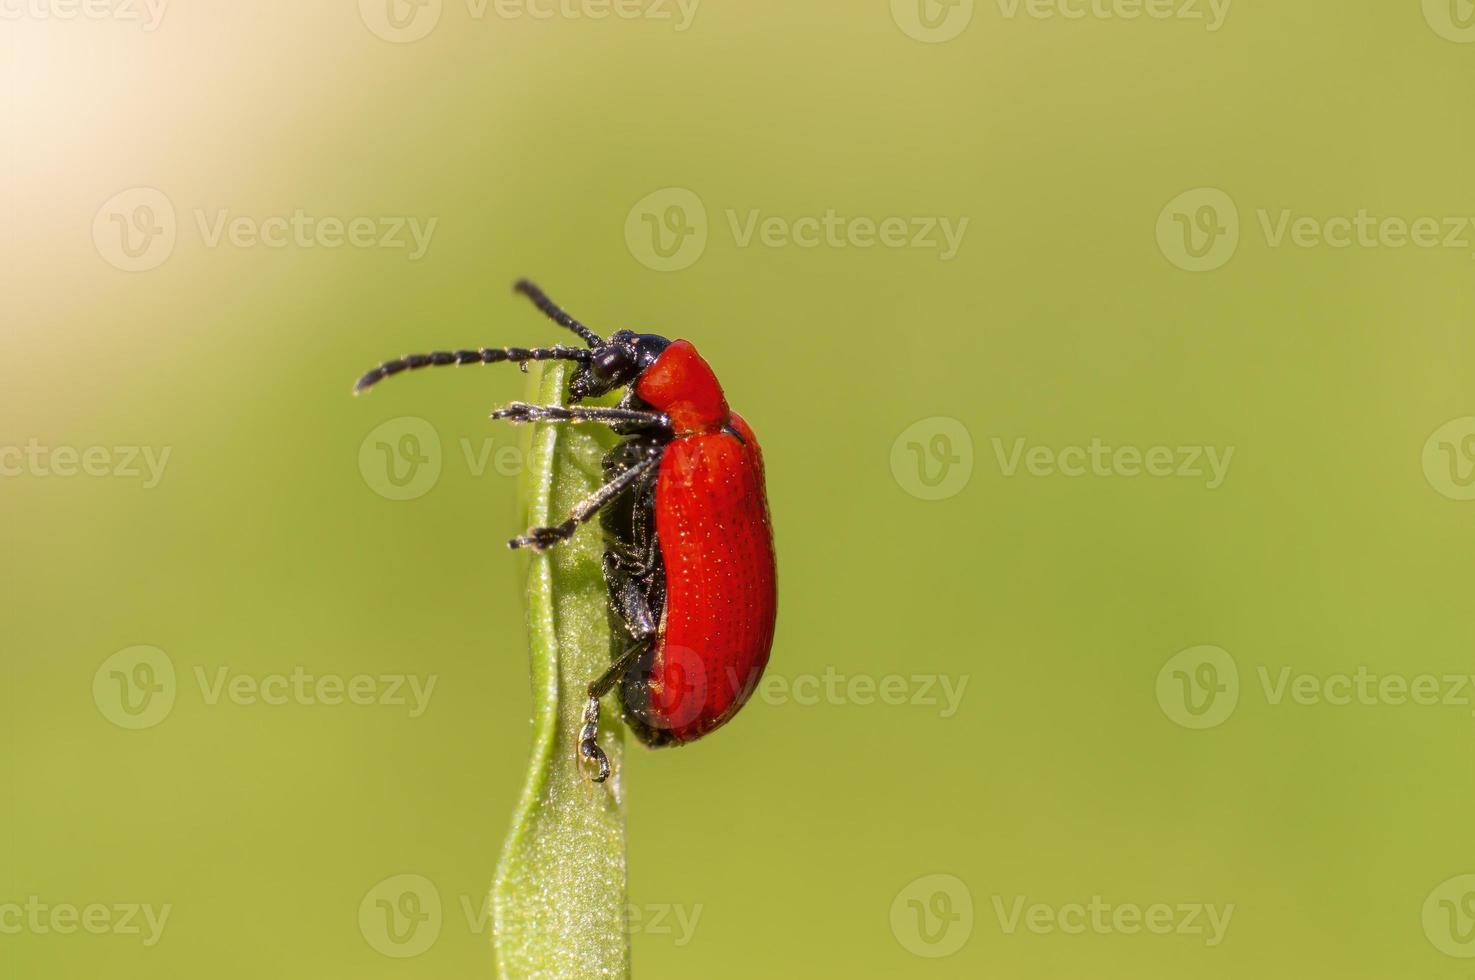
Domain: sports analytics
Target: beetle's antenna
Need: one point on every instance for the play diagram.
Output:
(484, 355)
(550, 309)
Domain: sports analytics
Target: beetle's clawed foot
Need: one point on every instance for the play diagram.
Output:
(543, 538)
(589, 750)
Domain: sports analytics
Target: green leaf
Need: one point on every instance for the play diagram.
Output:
(559, 898)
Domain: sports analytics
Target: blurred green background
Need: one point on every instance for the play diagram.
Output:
(1128, 276)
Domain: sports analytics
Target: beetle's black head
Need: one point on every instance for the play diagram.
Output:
(616, 363)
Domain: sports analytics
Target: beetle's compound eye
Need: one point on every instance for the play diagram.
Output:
(613, 364)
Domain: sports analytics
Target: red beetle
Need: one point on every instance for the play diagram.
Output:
(689, 555)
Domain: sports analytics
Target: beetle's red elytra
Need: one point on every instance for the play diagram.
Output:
(689, 557)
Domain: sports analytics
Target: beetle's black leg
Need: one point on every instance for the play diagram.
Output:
(635, 610)
(539, 538)
(630, 541)
(589, 750)
(621, 417)
(632, 569)
(633, 559)
(636, 589)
